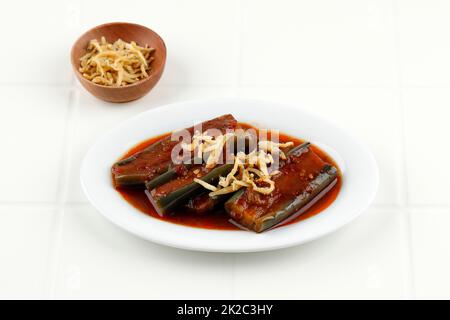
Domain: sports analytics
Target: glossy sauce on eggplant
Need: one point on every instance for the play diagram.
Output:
(218, 218)
(147, 163)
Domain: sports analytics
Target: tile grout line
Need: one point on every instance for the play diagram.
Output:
(64, 171)
(57, 229)
(410, 286)
(35, 84)
(241, 85)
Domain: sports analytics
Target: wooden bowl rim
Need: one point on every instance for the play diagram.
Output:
(157, 70)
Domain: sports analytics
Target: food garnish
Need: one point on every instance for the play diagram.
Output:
(221, 171)
(250, 170)
(298, 187)
(116, 64)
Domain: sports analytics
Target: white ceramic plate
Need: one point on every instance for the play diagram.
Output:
(360, 175)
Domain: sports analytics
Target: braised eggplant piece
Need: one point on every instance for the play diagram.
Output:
(156, 159)
(175, 171)
(179, 191)
(269, 182)
(170, 174)
(302, 180)
(203, 203)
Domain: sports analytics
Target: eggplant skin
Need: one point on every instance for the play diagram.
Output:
(178, 197)
(156, 159)
(295, 206)
(174, 171)
(303, 180)
(170, 174)
(315, 191)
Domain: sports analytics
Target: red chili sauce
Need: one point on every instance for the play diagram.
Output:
(219, 218)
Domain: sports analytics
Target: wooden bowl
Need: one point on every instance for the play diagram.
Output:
(127, 32)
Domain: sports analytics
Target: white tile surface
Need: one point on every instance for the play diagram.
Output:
(98, 260)
(423, 42)
(319, 43)
(32, 131)
(200, 35)
(371, 114)
(25, 235)
(38, 36)
(363, 260)
(378, 68)
(427, 132)
(430, 240)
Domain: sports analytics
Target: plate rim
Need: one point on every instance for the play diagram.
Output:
(220, 248)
